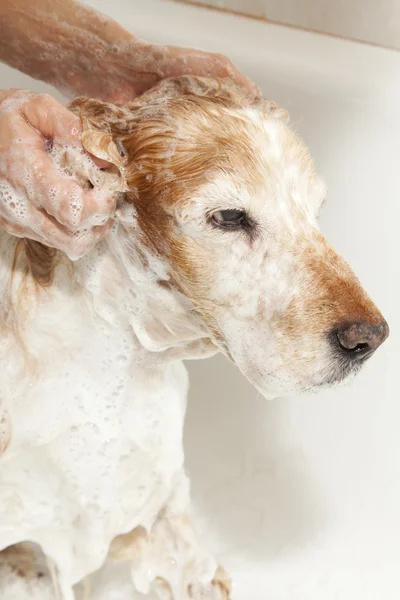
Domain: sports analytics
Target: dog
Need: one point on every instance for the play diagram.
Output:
(215, 247)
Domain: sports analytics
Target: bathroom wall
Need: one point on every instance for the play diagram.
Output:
(373, 21)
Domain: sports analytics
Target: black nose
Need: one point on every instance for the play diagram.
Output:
(359, 340)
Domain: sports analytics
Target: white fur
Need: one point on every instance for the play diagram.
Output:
(93, 393)
(97, 423)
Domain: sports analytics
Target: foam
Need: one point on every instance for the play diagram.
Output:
(60, 180)
(74, 163)
(94, 449)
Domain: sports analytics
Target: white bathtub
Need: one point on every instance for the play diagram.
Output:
(300, 497)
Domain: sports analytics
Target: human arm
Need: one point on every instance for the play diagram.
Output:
(83, 52)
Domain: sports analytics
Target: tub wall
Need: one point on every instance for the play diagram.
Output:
(373, 21)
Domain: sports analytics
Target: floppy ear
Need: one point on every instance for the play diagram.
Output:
(102, 123)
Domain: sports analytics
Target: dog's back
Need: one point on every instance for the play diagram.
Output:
(90, 440)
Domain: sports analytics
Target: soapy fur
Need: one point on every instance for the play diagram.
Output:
(93, 391)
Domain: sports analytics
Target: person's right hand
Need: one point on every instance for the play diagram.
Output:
(38, 201)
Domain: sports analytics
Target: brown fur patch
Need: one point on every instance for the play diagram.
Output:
(25, 559)
(42, 261)
(333, 296)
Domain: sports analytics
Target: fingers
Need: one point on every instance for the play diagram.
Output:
(34, 172)
(4, 94)
(74, 243)
(37, 199)
(173, 61)
(43, 229)
(220, 66)
(224, 65)
(53, 121)
(63, 198)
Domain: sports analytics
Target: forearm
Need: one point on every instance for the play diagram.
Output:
(83, 52)
(55, 40)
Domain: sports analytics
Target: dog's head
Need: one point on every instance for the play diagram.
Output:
(228, 196)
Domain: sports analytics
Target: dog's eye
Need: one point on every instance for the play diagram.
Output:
(229, 219)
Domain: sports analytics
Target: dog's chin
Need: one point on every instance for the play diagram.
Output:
(277, 388)
(335, 374)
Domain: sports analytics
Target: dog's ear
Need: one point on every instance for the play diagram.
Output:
(102, 125)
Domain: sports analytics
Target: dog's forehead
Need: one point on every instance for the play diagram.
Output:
(278, 181)
(269, 170)
(289, 172)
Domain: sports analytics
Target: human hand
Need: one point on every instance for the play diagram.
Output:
(38, 200)
(131, 67)
(83, 52)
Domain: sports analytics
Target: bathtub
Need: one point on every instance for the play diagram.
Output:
(300, 497)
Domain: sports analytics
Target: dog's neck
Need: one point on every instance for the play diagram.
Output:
(129, 286)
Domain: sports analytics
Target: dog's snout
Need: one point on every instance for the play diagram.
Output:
(359, 340)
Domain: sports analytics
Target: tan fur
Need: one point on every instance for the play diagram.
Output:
(25, 560)
(42, 262)
(177, 137)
